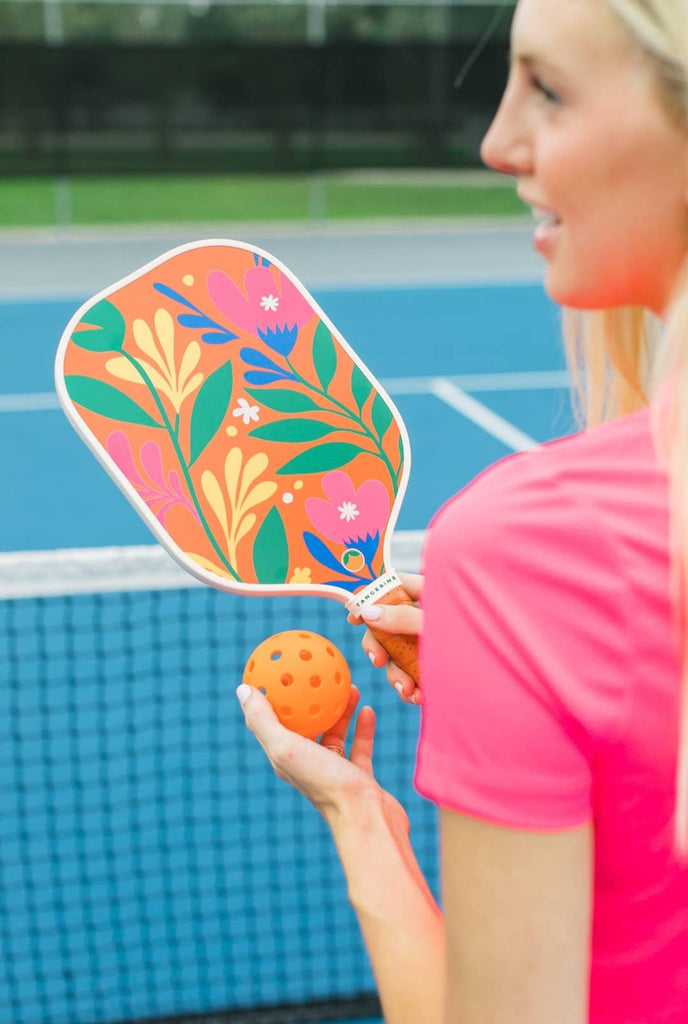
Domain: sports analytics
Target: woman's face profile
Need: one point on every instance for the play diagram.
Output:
(582, 129)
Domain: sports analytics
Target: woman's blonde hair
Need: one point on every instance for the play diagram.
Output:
(622, 359)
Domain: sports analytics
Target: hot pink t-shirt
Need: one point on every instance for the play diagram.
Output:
(551, 686)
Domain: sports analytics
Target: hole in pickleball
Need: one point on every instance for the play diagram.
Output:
(306, 636)
(251, 664)
(286, 712)
(330, 651)
(263, 691)
(275, 655)
(315, 681)
(286, 679)
(338, 677)
(314, 710)
(305, 655)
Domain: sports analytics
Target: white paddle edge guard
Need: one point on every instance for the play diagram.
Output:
(188, 564)
(375, 591)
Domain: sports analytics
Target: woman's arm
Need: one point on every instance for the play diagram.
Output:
(518, 907)
(402, 925)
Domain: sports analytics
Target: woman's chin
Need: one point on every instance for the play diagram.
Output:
(577, 295)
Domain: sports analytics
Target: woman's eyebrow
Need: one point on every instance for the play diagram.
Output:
(529, 60)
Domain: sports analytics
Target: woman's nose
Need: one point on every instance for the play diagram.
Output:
(506, 147)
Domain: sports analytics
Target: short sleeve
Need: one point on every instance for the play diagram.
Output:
(524, 649)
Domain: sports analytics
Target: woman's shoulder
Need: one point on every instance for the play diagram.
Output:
(560, 483)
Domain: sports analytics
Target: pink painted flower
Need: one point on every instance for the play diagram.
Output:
(269, 306)
(160, 495)
(349, 515)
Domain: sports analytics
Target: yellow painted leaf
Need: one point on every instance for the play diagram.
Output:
(246, 525)
(256, 465)
(191, 385)
(143, 336)
(260, 493)
(164, 328)
(211, 489)
(188, 364)
(122, 369)
(232, 473)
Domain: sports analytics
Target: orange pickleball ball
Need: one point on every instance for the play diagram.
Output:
(304, 676)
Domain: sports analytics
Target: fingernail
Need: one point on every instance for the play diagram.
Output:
(371, 613)
(399, 688)
(372, 658)
(243, 692)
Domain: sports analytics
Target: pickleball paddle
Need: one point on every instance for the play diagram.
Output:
(242, 427)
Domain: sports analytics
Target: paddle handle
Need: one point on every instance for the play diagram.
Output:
(401, 647)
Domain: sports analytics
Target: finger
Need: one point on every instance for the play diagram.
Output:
(394, 618)
(412, 583)
(336, 736)
(405, 686)
(374, 649)
(364, 738)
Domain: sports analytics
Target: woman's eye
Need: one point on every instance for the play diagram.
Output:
(544, 90)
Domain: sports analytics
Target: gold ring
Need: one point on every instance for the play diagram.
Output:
(335, 750)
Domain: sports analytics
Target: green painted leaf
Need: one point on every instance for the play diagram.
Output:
(105, 331)
(210, 409)
(360, 387)
(324, 355)
(105, 400)
(381, 416)
(324, 457)
(293, 430)
(282, 400)
(271, 550)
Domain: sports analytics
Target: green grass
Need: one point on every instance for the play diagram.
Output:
(175, 199)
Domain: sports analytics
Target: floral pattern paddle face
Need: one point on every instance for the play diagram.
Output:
(239, 423)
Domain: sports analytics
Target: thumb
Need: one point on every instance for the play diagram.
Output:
(258, 713)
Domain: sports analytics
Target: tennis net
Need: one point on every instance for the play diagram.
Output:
(151, 865)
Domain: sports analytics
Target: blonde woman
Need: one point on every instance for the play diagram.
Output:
(553, 738)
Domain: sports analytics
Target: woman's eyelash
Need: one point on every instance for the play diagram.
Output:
(548, 93)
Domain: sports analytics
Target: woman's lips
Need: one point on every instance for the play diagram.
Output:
(546, 229)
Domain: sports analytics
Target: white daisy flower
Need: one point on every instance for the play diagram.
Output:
(348, 511)
(270, 303)
(247, 412)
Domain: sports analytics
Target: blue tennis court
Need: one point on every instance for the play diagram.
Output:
(150, 864)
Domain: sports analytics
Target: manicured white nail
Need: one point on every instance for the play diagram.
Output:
(372, 658)
(243, 692)
(399, 688)
(371, 613)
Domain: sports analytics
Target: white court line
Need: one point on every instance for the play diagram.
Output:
(37, 402)
(530, 380)
(483, 417)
